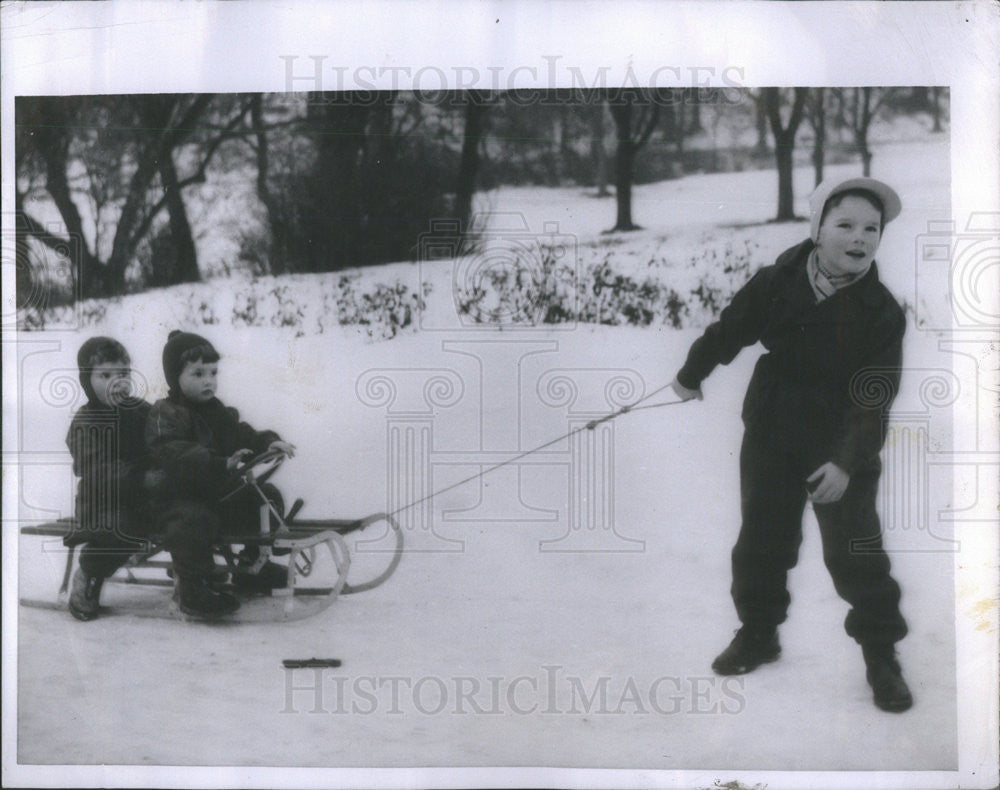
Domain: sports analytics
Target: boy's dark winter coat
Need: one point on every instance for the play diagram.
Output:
(110, 458)
(832, 368)
(191, 443)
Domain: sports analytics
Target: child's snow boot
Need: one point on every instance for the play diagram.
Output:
(751, 647)
(85, 595)
(884, 675)
(271, 576)
(198, 598)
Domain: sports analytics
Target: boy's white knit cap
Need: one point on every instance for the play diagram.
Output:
(891, 203)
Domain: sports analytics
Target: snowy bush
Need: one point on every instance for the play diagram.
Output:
(548, 291)
(541, 290)
(64, 316)
(305, 304)
(383, 312)
(608, 297)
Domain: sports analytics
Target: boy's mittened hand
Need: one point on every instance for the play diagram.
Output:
(286, 447)
(827, 484)
(684, 393)
(236, 458)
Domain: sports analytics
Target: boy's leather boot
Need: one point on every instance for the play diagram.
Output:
(85, 595)
(751, 647)
(884, 675)
(198, 598)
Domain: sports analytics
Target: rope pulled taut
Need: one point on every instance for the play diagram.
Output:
(588, 427)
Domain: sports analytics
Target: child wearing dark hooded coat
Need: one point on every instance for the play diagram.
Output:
(197, 442)
(106, 440)
(815, 417)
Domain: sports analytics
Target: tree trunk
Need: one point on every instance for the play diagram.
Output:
(840, 117)
(680, 121)
(866, 160)
(819, 143)
(123, 245)
(382, 140)
(598, 154)
(760, 117)
(691, 97)
(561, 140)
(550, 149)
(472, 134)
(862, 120)
(784, 146)
(338, 122)
(632, 133)
(279, 251)
(786, 193)
(155, 112)
(184, 268)
(52, 138)
(624, 161)
(936, 108)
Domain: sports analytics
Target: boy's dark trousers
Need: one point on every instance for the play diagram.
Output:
(774, 495)
(108, 547)
(193, 526)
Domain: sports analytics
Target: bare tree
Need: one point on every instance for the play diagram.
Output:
(49, 123)
(598, 153)
(816, 113)
(472, 137)
(760, 118)
(936, 108)
(260, 144)
(636, 113)
(143, 132)
(337, 123)
(168, 122)
(865, 104)
(784, 144)
(692, 98)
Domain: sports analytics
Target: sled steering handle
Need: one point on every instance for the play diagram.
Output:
(265, 457)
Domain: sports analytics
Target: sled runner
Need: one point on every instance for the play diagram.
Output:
(317, 554)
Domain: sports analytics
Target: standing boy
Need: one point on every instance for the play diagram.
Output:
(106, 440)
(197, 442)
(815, 420)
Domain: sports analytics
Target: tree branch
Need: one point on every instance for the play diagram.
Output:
(651, 120)
(32, 227)
(797, 109)
(198, 177)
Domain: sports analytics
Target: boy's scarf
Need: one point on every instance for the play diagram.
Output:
(825, 284)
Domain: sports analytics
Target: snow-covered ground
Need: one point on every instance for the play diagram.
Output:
(506, 637)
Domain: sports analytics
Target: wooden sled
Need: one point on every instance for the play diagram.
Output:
(317, 555)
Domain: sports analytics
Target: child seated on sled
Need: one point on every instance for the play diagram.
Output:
(815, 417)
(106, 440)
(197, 442)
